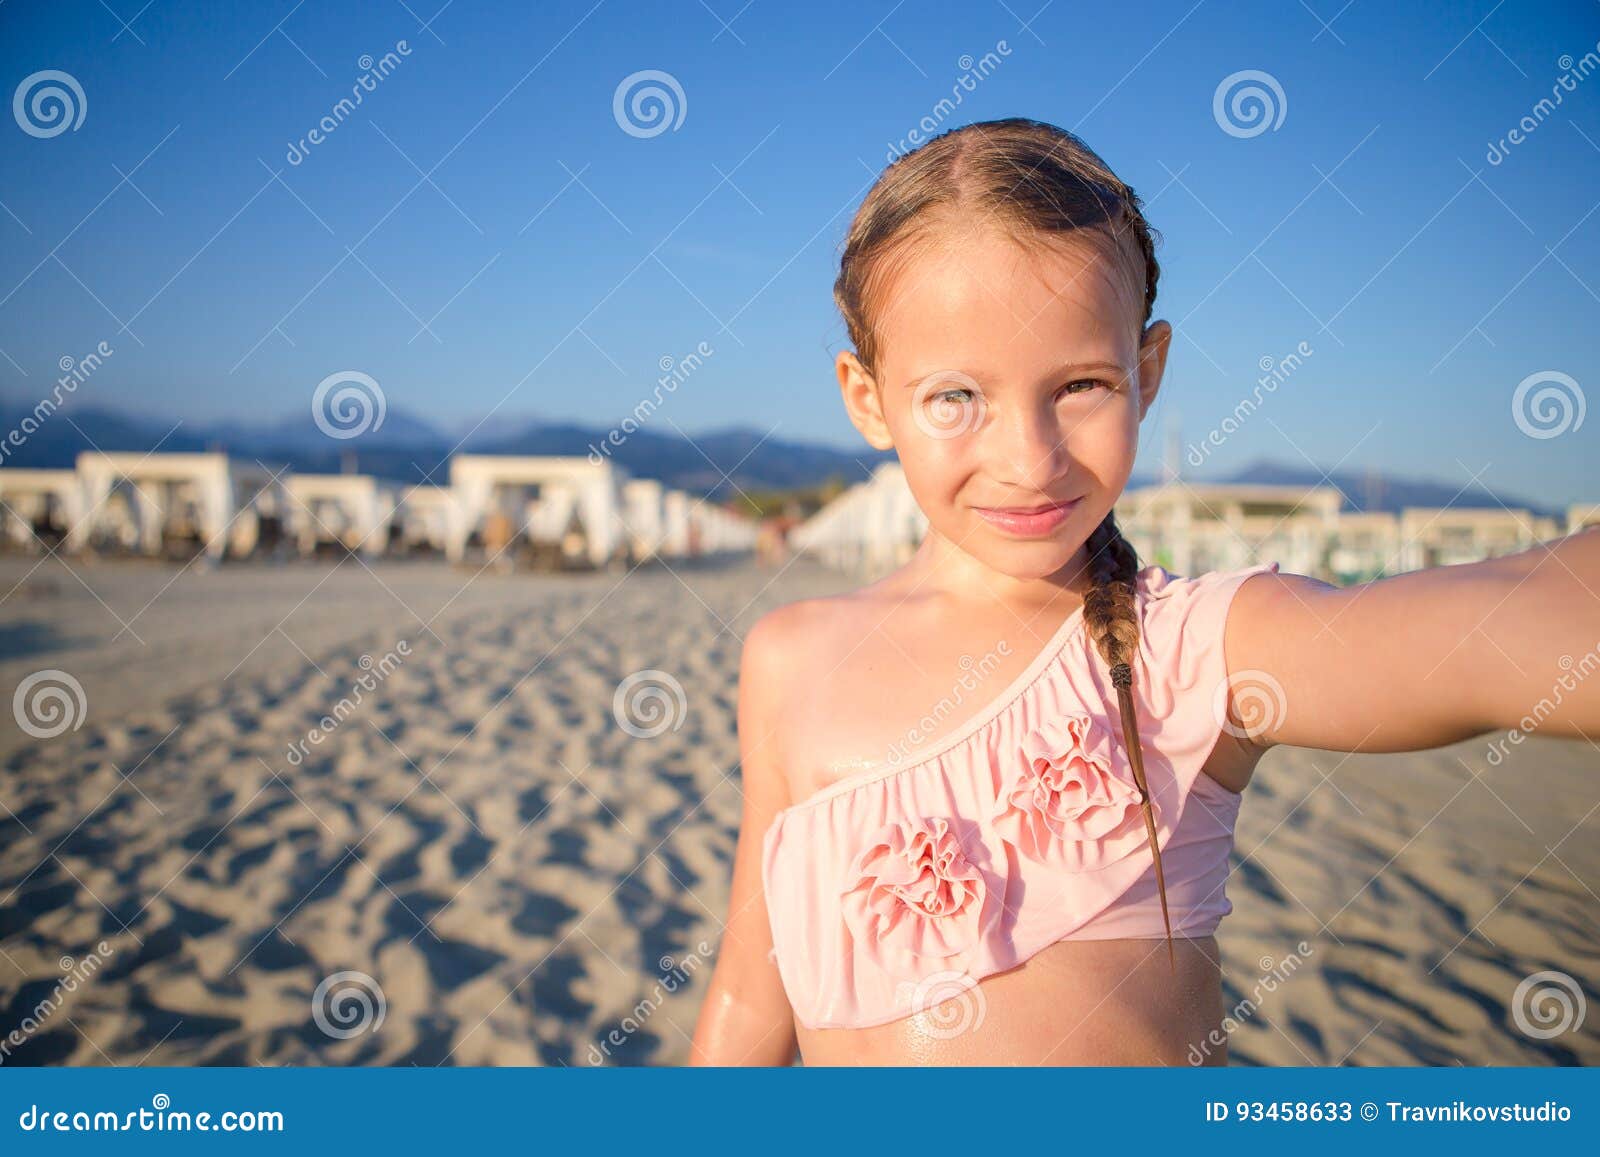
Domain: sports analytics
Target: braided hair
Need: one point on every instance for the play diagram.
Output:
(1035, 181)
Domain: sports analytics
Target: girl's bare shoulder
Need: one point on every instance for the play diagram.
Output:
(800, 639)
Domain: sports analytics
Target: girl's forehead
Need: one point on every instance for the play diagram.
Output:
(988, 291)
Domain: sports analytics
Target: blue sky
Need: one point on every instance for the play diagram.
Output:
(550, 260)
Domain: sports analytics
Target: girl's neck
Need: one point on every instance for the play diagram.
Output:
(941, 565)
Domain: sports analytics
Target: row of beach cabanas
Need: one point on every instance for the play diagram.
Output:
(556, 510)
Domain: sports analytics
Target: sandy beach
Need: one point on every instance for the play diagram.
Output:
(387, 814)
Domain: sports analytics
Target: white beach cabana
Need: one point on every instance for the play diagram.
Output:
(355, 511)
(570, 504)
(143, 502)
(1443, 536)
(38, 507)
(681, 537)
(723, 531)
(424, 519)
(1194, 527)
(645, 512)
(870, 528)
(1366, 546)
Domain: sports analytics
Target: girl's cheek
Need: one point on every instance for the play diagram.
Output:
(1106, 435)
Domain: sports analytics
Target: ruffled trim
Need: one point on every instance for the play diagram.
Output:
(1069, 800)
(914, 894)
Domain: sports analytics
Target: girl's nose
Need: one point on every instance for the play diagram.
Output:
(1027, 451)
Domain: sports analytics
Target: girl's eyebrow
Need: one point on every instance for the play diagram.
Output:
(1071, 369)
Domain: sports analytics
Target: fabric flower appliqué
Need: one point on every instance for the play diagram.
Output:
(1066, 801)
(914, 894)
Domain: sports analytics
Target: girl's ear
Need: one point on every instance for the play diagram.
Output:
(1153, 348)
(862, 401)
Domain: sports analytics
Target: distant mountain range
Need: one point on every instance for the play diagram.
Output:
(405, 448)
(408, 449)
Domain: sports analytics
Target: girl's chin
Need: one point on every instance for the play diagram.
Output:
(1026, 560)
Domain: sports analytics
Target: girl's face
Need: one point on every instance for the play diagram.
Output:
(1011, 383)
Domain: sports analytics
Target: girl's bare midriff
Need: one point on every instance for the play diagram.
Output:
(1078, 1002)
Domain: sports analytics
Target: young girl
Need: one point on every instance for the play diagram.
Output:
(1037, 878)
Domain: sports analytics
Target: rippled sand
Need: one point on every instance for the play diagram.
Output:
(478, 852)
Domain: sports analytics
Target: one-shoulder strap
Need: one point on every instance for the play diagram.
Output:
(1184, 668)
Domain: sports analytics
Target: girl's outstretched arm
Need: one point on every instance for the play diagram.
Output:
(1422, 659)
(746, 1018)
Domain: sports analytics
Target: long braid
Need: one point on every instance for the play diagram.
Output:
(1111, 617)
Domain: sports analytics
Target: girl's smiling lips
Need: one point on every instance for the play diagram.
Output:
(1027, 521)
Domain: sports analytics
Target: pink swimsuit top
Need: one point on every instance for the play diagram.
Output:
(895, 889)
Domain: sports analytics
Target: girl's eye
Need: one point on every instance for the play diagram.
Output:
(1084, 385)
(952, 397)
